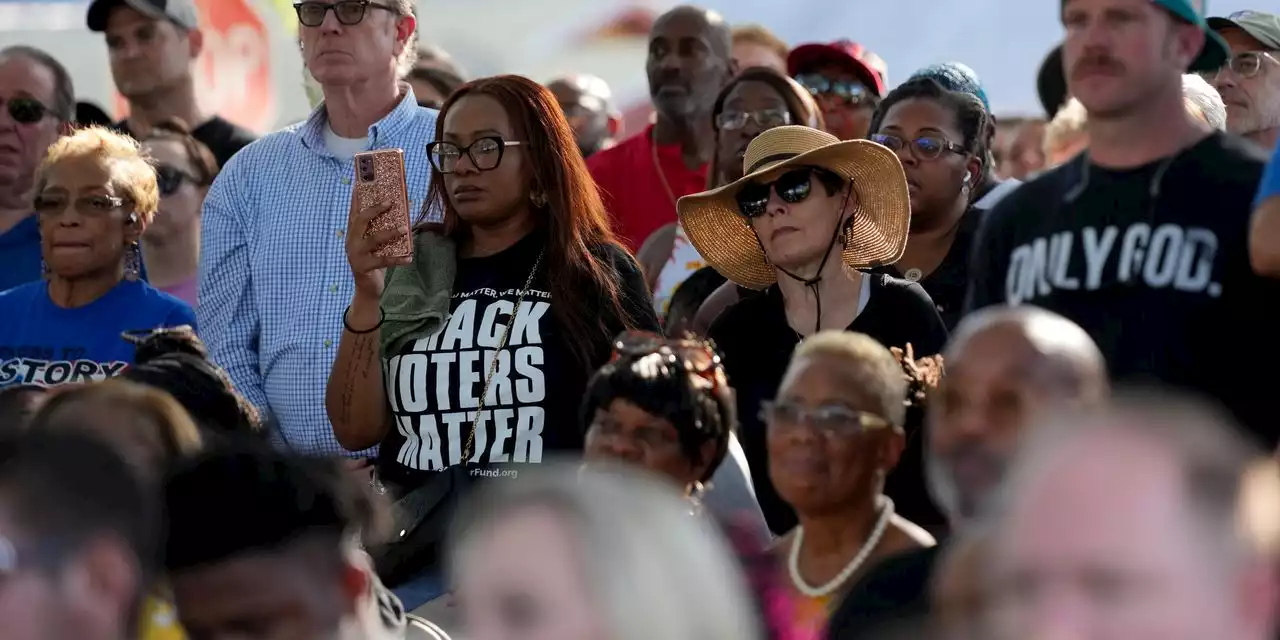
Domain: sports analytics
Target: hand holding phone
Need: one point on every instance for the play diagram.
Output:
(378, 229)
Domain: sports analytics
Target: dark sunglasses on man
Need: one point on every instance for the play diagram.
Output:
(26, 110)
(311, 13)
(852, 92)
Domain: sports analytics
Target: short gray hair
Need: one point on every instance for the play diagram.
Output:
(64, 93)
(653, 569)
(1204, 101)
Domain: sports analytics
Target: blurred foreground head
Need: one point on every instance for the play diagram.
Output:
(1123, 523)
(261, 545)
(78, 538)
(590, 554)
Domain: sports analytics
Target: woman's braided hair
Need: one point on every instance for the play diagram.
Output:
(922, 375)
(176, 361)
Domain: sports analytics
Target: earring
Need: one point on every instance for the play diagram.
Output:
(44, 270)
(132, 262)
(538, 198)
(844, 233)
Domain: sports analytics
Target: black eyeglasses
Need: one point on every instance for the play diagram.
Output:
(792, 187)
(764, 119)
(851, 91)
(170, 178)
(485, 153)
(348, 12)
(832, 420)
(698, 357)
(26, 110)
(925, 147)
(1246, 64)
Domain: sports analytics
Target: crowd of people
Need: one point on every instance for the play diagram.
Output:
(813, 355)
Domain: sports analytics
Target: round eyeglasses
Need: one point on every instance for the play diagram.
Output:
(485, 153)
(311, 13)
(1246, 64)
(925, 147)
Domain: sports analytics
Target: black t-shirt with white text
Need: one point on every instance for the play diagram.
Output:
(756, 341)
(1152, 262)
(531, 411)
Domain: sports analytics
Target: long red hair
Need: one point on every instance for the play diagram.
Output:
(575, 218)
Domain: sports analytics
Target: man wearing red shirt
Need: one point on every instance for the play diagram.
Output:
(690, 59)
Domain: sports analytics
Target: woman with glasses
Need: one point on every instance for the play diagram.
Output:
(755, 100)
(184, 170)
(834, 434)
(96, 195)
(488, 338)
(803, 226)
(940, 138)
(666, 406)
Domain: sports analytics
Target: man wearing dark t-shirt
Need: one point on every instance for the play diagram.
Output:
(152, 46)
(1005, 368)
(1143, 240)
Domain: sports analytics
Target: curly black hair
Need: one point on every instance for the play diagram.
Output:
(176, 361)
(700, 406)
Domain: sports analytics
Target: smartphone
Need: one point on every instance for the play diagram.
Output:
(380, 178)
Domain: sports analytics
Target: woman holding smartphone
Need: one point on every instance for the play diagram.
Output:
(490, 381)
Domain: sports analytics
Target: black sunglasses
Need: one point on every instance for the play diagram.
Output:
(485, 153)
(170, 178)
(26, 110)
(792, 187)
(925, 147)
(348, 12)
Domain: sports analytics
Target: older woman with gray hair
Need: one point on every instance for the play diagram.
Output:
(589, 554)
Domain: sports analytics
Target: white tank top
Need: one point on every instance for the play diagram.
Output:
(683, 262)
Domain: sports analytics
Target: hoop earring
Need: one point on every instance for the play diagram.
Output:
(538, 198)
(133, 262)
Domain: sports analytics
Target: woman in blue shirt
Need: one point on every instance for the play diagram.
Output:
(96, 194)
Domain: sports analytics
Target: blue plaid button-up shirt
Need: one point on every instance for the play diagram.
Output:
(274, 278)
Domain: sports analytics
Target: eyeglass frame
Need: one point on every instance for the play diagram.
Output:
(503, 143)
(117, 202)
(333, 6)
(877, 422)
(676, 351)
(865, 98)
(1231, 61)
(753, 116)
(946, 145)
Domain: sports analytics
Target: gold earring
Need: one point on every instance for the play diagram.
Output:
(538, 198)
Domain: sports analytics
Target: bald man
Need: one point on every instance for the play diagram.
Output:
(1124, 523)
(1005, 368)
(587, 103)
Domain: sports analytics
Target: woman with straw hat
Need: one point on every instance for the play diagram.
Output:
(809, 214)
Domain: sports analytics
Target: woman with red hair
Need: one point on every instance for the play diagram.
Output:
(472, 359)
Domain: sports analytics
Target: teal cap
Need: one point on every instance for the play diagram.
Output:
(1215, 51)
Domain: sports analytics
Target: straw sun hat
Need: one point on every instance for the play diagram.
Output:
(881, 216)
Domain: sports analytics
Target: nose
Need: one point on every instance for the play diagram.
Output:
(669, 63)
(776, 205)
(622, 448)
(905, 154)
(465, 166)
(1222, 79)
(330, 24)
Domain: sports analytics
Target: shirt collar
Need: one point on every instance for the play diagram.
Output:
(389, 127)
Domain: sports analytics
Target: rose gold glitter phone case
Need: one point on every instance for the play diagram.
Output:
(380, 178)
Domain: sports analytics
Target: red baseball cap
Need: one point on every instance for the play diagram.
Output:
(869, 67)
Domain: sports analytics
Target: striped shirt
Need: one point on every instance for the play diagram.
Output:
(274, 279)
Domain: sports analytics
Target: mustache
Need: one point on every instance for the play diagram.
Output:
(1097, 63)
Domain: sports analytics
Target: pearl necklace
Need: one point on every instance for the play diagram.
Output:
(877, 532)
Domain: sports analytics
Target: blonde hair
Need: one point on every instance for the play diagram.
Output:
(759, 35)
(652, 569)
(179, 435)
(865, 353)
(1067, 127)
(1203, 101)
(131, 169)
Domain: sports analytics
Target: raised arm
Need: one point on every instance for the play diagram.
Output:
(355, 397)
(225, 312)
(1264, 234)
